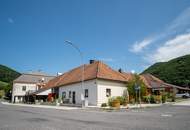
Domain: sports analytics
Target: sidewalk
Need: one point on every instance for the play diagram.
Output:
(183, 103)
(130, 106)
(144, 105)
(43, 106)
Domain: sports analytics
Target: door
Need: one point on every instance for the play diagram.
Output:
(73, 98)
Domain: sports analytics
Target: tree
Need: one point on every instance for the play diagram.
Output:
(7, 91)
(131, 87)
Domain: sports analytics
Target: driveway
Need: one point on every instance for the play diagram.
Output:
(160, 118)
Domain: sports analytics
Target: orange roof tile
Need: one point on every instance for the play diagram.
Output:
(152, 81)
(91, 71)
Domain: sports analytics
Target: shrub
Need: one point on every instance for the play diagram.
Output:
(104, 105)
(121, 99)
(164, 97)
(152, 99)
(132, 101)
(146, 99)
(0, 96)
(110, 100)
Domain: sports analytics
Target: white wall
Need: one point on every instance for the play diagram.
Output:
(90, 85)
(96, 91)
(17, 89)
(117, 89)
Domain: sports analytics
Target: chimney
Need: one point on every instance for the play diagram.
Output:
(91, 61)
(120, 70)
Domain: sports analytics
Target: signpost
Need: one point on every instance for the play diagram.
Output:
(137, 89)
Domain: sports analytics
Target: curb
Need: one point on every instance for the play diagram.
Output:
(42, 106)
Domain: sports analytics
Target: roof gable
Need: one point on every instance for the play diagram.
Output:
(152, 81)
(91, 71)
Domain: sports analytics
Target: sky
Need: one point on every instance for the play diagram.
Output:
(127, 34)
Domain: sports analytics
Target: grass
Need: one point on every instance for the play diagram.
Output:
(2, 93)
(2, 84)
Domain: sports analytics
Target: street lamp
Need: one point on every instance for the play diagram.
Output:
(82, 71)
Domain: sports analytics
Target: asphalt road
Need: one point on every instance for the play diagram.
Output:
(160, 118)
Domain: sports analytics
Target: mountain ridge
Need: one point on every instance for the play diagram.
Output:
(175, 71)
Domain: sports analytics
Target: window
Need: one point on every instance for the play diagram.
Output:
(23, 88)
(86, 93)
(63, 95)
(69, 94)
(108, 92)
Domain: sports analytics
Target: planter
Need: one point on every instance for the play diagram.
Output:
(116, 103)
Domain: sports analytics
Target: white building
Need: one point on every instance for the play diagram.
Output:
(100, 83)
(28, 83)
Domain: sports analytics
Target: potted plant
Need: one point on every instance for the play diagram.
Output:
(116, 103)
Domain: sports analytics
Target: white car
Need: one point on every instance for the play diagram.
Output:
(183, 95)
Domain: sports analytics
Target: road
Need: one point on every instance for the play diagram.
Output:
(159, 118)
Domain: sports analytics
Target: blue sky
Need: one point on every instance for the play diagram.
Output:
(125, 34)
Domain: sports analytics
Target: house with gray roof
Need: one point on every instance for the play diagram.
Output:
(28, 83)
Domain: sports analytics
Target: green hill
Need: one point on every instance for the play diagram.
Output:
(176, 71)
(3, 84)
(7, 74)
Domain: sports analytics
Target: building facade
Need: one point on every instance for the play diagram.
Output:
(28, 83)
(100, 83)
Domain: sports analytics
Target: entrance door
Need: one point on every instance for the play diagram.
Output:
(73, 98)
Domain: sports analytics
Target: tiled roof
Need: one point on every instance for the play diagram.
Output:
(128, 76)
(152, 81)
(175, 86)
(32, 78)
(94, 70)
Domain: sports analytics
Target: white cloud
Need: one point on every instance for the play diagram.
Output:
(10, 20)
(139, 46)
(179, 25)
(173, 48)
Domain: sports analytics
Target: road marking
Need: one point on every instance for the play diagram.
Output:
(166, 115)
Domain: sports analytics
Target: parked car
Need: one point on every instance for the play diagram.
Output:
(183, 95)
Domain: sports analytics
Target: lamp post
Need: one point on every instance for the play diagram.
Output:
(137, 89)
(82, 71)
(140, 96)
